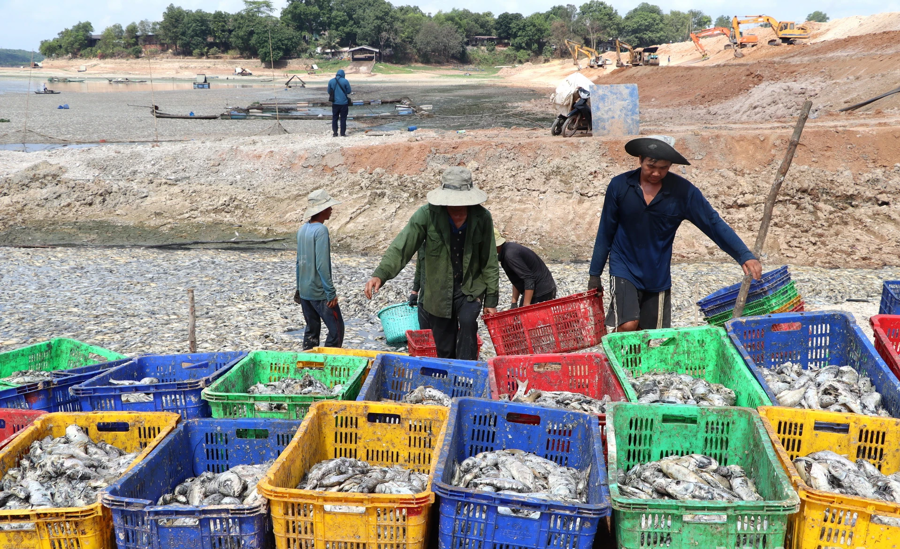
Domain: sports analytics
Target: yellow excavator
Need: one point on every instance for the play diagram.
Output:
(593, 57)
(786, 32)
(632, 58)
(728, 33)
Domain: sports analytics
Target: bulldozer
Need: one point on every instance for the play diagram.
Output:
(592, 55)
(728, 33)
(786, 32)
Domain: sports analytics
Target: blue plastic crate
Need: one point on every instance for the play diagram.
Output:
(724, 299)
(62, 400)
(890, 298)
(470, 518)
(394, 376)
(182, 379)
(194, 447)
(821, 338)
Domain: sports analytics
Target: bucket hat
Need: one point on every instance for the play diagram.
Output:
(319, 201)
(456, 189)
(498, 238)
(660, 147)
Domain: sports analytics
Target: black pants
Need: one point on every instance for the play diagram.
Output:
(456, 337)
(316, 312)
(652, 310)
(339, 111)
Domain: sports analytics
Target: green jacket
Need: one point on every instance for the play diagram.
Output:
(430, 225)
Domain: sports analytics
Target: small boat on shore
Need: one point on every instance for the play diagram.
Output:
(47, 92)
(156, 112)
(125, 81)
(64, 80)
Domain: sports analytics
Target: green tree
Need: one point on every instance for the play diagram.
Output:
(468, 23)
(111, 39)
(220, 27)
(818, 17)
(410, 20)
(723, 21)
(309, 17)
(599, 21)
(678, 27)
(699, 20)
(243, 31)
(644, 25)
(504, 24)
(131, 35)
(378, 26)
(439, 43)
(258, 8)
(50, 48)
(273, 40)
(170, 27)
(75, 39)
(531, 34)
(194, 31)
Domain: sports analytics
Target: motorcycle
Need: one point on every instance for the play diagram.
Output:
(578, 119)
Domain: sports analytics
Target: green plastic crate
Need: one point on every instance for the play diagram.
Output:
(228, 397)
(704, 352)
(638, 433)
(764, 306)
(55, 354)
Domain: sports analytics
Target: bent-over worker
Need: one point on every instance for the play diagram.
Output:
(315, 289)
(641, 214)
(528, 274)
(459, 263)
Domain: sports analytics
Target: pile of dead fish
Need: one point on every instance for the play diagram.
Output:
(832, 388)
(305, 385)
(68, 471)
(27, 376)
(669, 388)
(236, 486)
(517, 472)
(356, 476)
(135, 397)
(557, 399)
(688, 478)
(425, 394)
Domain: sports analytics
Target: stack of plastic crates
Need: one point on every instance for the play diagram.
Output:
(775, 293)
(890, 298)
(180, 380)
(196, 446)
(393, 377)
(12, 421)
(383, 434)
(472, 518)
(90, 526)
(641, 434)
(56, 356)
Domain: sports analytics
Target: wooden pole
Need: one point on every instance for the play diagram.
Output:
(770, 205)
(192, 322)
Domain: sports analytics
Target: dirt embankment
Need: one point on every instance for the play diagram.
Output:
(838, 207)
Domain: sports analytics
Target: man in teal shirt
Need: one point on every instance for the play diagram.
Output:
(315, 289)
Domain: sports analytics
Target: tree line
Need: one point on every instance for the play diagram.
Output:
(305, 28)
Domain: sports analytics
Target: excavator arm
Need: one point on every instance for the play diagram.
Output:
(576, 49)
(712, 32)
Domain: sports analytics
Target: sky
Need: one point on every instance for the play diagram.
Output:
(24, 23)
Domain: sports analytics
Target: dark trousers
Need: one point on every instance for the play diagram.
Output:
(315, 312)
(424, 318)
(339, 111)
(456, 337)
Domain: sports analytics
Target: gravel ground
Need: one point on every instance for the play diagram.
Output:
(134, 300)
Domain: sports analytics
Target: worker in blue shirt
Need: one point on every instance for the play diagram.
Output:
(315, 288)
(642, 211)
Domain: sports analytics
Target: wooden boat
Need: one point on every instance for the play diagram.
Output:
(125, 81)
(47, 92)
(158, 114)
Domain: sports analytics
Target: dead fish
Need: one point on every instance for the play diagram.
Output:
(670, 388)
(236, 486)
(694, 477)
(832, 388)
(25, 377)
(305, 385)
(829, 471)
(558, 399)
(143, 381)
(519, 472)
(357, 476)
(425, 394)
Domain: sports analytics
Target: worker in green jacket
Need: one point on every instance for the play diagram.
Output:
(460, 272)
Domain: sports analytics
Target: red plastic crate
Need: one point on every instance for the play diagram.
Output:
(13, 420)
(587, 373)
(557, 326)
(887, 340)
(421, 343)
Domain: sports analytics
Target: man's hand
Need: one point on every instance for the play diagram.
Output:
(754, 268)
(333, 303)
(297, 297)
(413, 299)
(513, 306)
(595, 283)
(490, 310)
(372, 287)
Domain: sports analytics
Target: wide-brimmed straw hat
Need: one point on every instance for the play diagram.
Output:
(498, 238)
(456, 189)
(660, 147)
(319, 201)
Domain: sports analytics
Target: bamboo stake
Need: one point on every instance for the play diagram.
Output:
(192, 322)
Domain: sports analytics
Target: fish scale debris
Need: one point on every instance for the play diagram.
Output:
(558, 399)
(831, 388)
(669, 388)
(357, 476)
(695, 477)
(425, 394)
(517, 472)
(66, 471)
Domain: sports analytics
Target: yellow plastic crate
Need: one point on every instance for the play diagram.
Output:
(353, 352)
(87, 527)
(381, 434)
(789, 306)
(825, 519)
